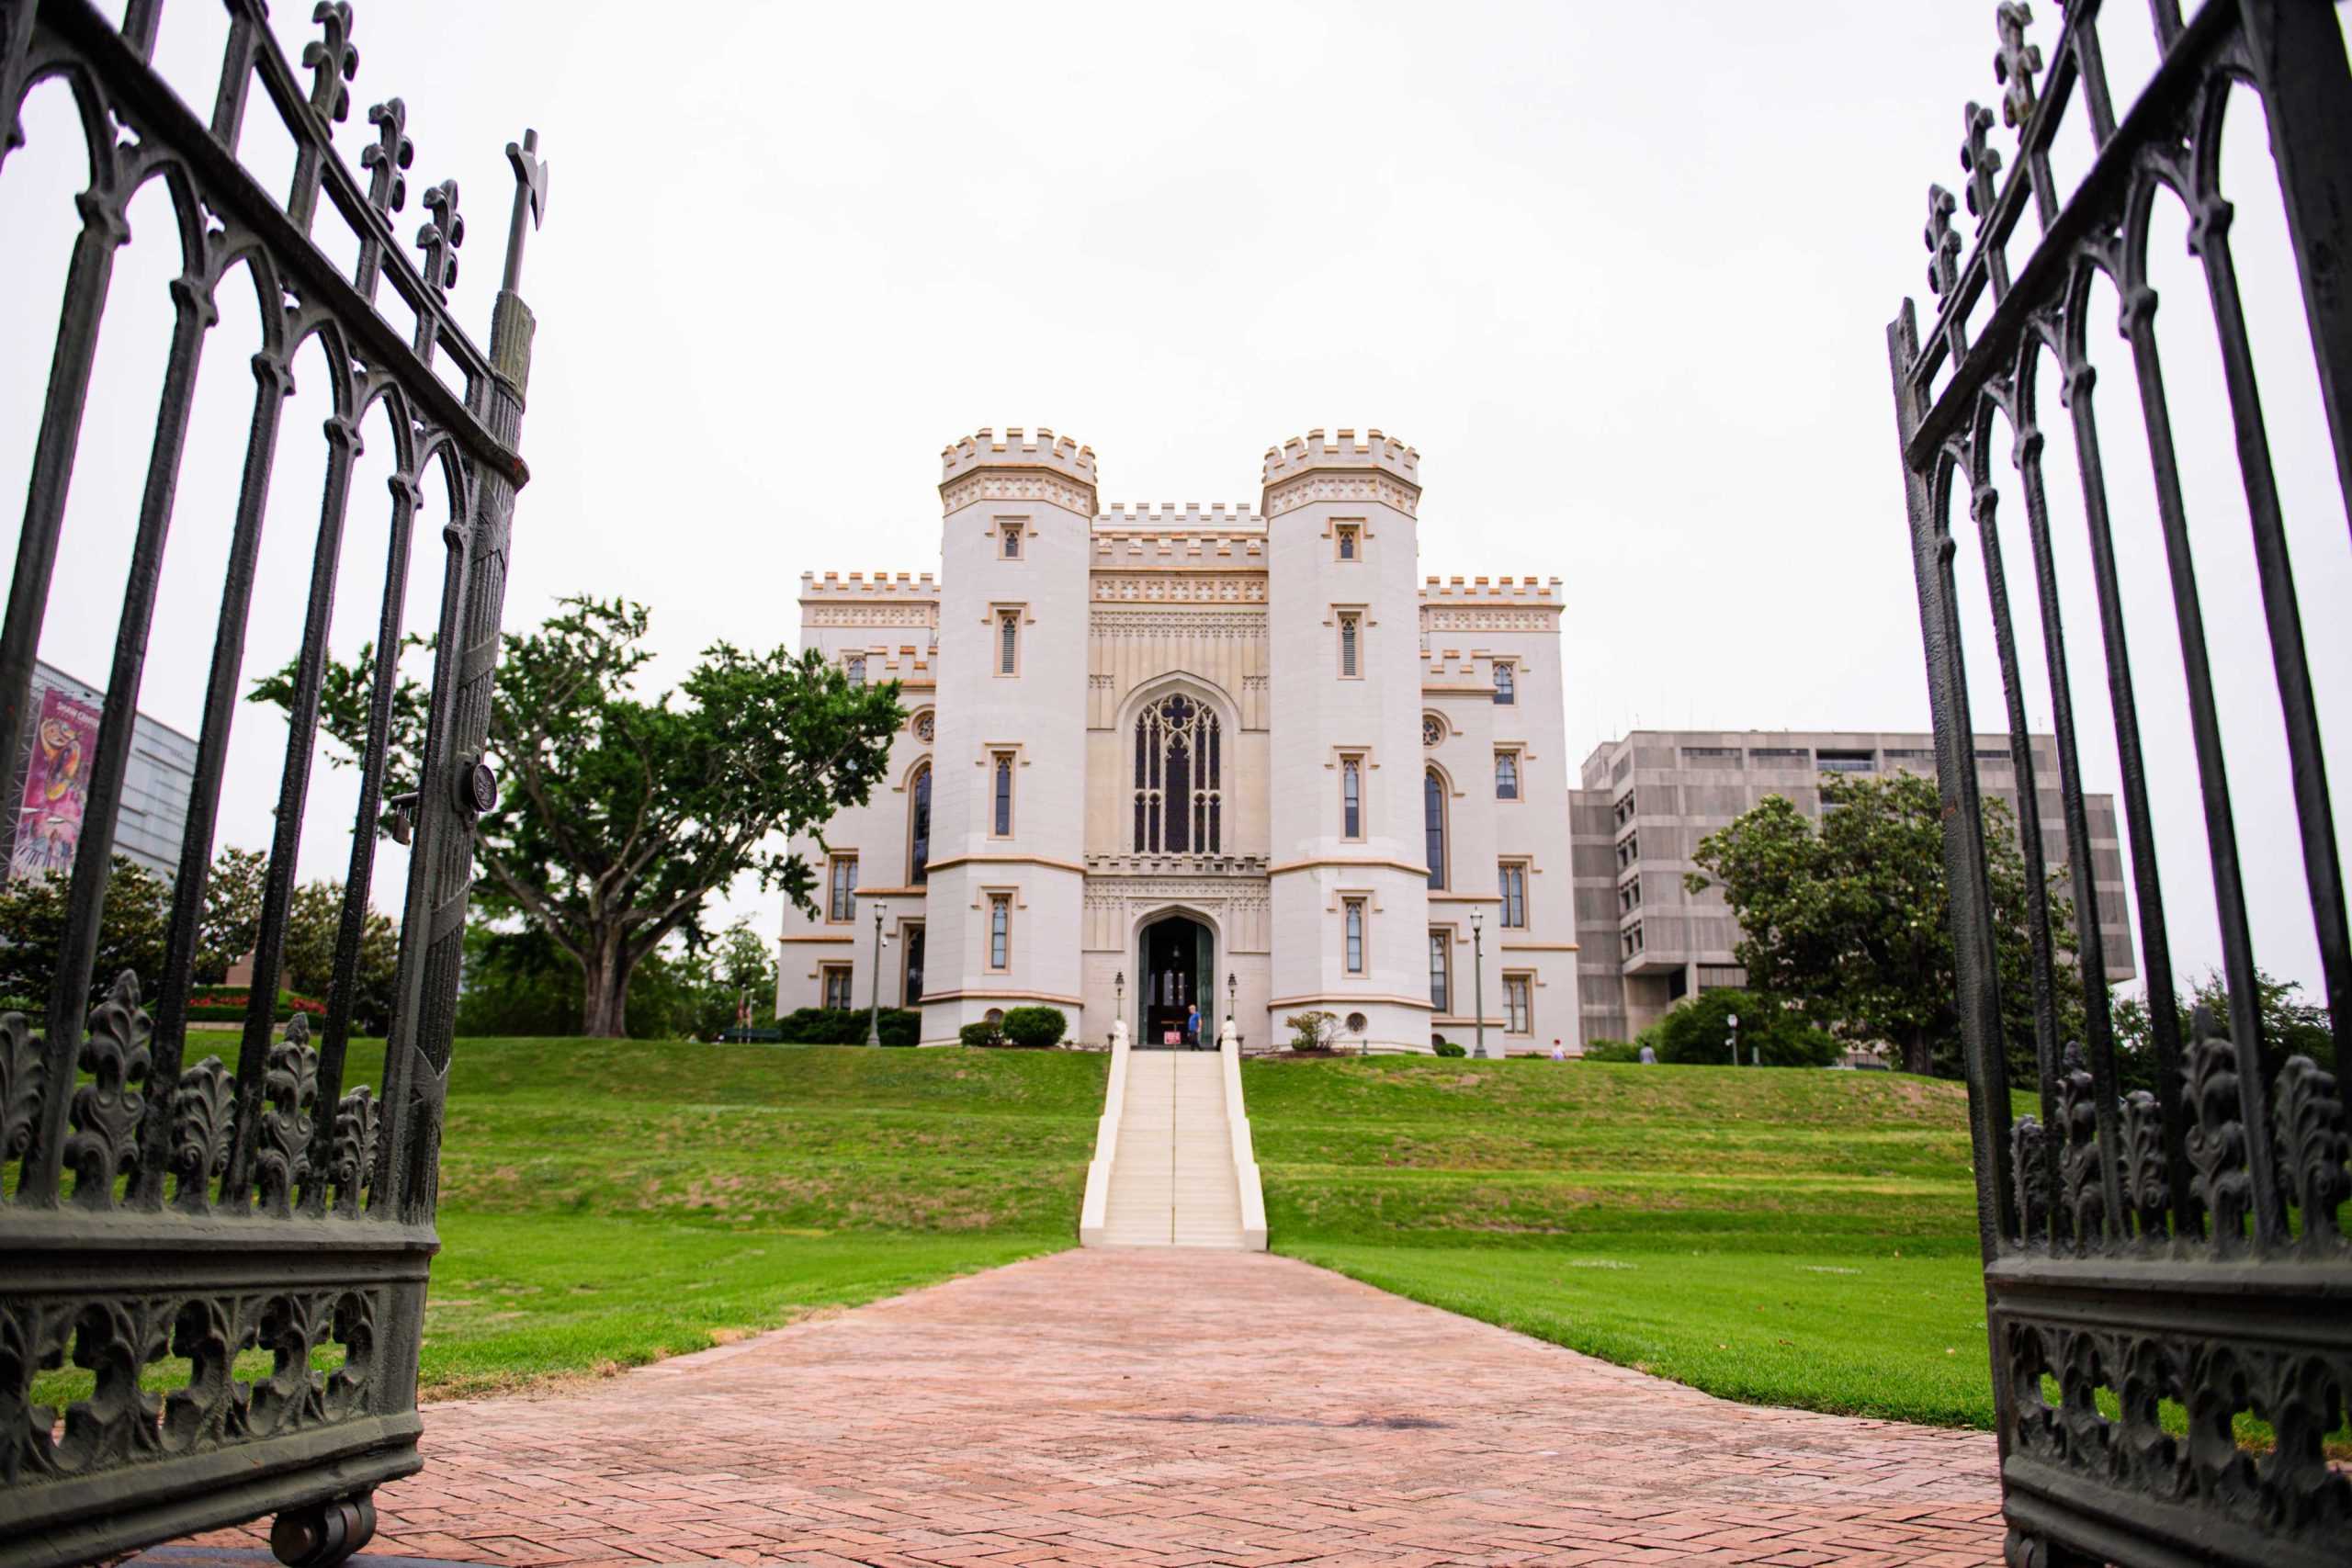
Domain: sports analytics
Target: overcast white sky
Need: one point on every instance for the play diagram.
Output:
(1621, 272)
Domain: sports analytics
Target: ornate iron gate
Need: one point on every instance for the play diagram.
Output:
(2180, 1248)
(211, 1212)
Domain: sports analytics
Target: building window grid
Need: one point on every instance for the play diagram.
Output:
(1507, 774)
(840, 903)
(1629, 896)
(1351, 645)
(1179, 778)
(1519, 1005)
(1000, 796)
(1351, 799)
(1353, 920)
(1630, 938)
(1000, 932)
(1433, 826)
(853, 667)
(1008, 642)
(1512, 877)
(837, 986)
(1442, 970)
(1506, 683)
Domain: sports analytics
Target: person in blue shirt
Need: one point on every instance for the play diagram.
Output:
(1193, 1027)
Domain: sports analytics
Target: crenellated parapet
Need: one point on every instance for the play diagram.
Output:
(883, 599)
(1119, 516)
(1490, 605)
(1341, 468)
(1017, 466)
(1492, 590)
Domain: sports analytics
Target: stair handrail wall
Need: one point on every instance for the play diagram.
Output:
(1244, 1151)
(1094, 1210)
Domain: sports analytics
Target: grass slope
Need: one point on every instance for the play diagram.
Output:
(604, 1203)
(1785, 1237)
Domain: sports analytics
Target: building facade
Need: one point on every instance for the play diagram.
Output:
(48, 778)
(1647, 800)
(1162, 757)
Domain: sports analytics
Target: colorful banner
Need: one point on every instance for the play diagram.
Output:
(57, 778)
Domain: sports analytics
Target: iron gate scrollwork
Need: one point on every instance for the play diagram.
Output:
(2176, 1252)
(157, 1208)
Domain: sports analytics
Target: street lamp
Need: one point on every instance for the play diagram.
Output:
(1733, 1022)
(1119, 992)
(1232, 994)
(1478, 980)
(874, 993)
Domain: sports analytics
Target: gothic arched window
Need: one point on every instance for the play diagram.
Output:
(919, 827)
(1179, 778)
(1434, 824)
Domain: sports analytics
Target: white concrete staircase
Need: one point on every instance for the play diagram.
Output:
(1173, 1166)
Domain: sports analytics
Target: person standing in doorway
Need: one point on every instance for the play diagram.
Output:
(1193, 1027)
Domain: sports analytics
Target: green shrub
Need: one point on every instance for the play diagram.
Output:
(1035, 1027)
(1612, 1050)
(1697, 1032)
(1311, 1029)
(1446, 1047)
(847, 1026)
(981, 1033)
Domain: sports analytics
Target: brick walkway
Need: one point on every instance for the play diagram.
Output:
(1164, 1409)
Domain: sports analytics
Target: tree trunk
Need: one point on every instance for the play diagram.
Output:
(1919, 1056)
(604, 1003)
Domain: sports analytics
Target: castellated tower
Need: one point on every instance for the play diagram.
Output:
(1349, 873)
(1009, 808)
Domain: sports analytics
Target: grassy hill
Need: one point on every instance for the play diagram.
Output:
(1787, 1237)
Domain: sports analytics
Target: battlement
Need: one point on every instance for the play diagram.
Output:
(1343, 450)
(1437, 664)
(1117, 517)
(1485, 590)
(885, 585)
(1120, 547)
(1015, 449)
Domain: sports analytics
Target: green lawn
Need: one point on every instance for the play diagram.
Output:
(1785, 1237)
(604, 1203)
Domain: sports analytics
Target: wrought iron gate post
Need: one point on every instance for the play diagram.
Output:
(213, 1212)
(2177, 1251)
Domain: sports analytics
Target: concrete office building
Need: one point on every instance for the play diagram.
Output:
(1648, 798)
(47, 780)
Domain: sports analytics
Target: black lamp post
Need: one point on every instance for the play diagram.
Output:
(1119, 991)
(1478, 981)
(1232, 994)
(874, 993)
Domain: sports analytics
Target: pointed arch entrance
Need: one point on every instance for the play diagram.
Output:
(1176, 961)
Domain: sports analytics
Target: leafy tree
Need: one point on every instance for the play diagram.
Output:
(2291, 1027)
(1698, 1030)
(230, 923)
(621, 815)
(1850, 918)
(313, 921)
(131, 934)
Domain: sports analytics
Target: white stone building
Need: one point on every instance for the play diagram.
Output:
(1243, 757)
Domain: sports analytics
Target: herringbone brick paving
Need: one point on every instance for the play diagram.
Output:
(1163, 1409)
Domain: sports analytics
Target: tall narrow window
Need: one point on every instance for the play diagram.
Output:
(913, 991)
(1179, 779)
(1505, 685)
(855, 667)
(1001, 821)
(1012, 533)
(1441, 972)
(837, 986)
(1000, 931)
(1506, 775)
(1008, 642)
(1348, 539)
(919, 827)
(1517, 1000)
(1355, 936)
(1514, 892)
(840, 903)
(1434, 824)
(1350, 641)
(1351, 798)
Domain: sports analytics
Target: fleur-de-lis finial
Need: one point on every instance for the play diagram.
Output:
(391, 152)
(2014, 65)
(1943, 242)
(1981, 160)
(440, 238)
(332, 61)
